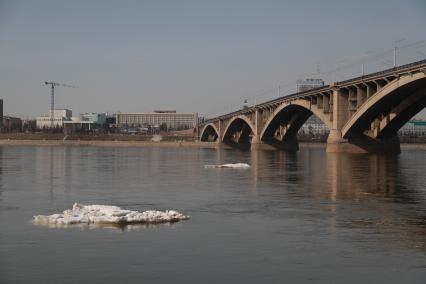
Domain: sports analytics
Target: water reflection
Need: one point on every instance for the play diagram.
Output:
(341, 177)
(119, 227)
(300, 216)
(367, 192)
(388, 206)
(51, 175)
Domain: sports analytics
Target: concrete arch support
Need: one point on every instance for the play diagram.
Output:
(373, 126)
(209, 133)
(239, 132)
(393, 93)
(280, 130)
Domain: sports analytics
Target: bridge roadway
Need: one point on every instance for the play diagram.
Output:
(363, 114)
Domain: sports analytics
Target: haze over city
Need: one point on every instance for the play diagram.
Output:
(203, 56)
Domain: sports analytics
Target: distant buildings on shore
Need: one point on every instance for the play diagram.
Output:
(413, 128)
(121, 122)
(314, 127)
(134, 122)
(160, 120)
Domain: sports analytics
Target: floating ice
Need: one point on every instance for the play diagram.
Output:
(103, 214)
(233, 166)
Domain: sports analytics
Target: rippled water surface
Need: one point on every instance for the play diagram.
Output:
(309, 217)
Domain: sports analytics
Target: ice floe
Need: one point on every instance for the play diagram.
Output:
(105, 214)
(232, 166)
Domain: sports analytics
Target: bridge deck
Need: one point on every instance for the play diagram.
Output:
(397, 71)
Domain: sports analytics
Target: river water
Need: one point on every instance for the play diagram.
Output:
(309, 217)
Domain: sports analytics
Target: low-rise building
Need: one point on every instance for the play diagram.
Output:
(414, 128)
(86, 122)
(57, 120)
(166, 120)
(11, 124)
(29, 125)
(98, 118)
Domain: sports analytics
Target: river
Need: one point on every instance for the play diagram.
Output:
(309, 217)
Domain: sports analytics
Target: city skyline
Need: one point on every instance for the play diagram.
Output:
(192, 56)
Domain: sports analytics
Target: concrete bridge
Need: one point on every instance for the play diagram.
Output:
(363, 114)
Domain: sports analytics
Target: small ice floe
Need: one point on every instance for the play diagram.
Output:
(103, 214)
(232, 166)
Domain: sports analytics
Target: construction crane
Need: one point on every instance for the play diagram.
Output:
(52, 98)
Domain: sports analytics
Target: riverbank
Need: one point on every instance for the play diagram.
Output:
(103, 143)
(165, 144)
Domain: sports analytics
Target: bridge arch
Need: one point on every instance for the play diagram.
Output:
(295, 114)
(404, 113)
(238, 130)
(209, 133)
(389, 109)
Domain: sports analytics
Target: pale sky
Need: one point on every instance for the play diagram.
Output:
(193, 56)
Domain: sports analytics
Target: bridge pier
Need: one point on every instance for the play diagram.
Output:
(336, 143)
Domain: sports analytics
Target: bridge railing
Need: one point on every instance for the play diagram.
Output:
(383, 72)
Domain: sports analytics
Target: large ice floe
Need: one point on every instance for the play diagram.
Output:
(105, 214)
(232, 166)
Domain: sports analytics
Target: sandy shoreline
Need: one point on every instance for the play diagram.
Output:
(100, 143)
(166, 144)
